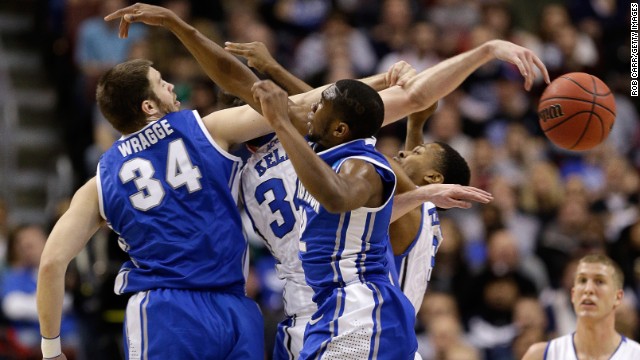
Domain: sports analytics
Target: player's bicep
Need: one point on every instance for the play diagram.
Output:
(235, 125)
(76, 226)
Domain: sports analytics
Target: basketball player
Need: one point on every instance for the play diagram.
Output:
(416, 235)
(345, 195)
(596, 293)
(168, 187)
(410, 98)
(268, 184)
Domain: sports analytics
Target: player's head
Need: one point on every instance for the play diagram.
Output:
(597, 287)
(434, 163)
(131, 93)
(348, 109)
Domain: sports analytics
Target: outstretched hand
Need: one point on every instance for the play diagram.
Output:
(273, 100)
(399, 73)
(523, 58)
(448, 196)
(144, 13)
(256, 53)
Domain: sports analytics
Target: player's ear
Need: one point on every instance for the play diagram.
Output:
(341, 129)
(149, 107)
(433, 177)
(619, 296)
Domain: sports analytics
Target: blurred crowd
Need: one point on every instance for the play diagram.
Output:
(503, 275)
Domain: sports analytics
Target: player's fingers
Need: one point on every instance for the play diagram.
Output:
(123, 29)
(459, 204)
(119, 13)
(543, 69)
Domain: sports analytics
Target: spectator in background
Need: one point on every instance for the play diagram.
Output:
(556, 301)
(4, 233)
(392, 33)
(446, 126)
(493, 295)
(26, 244)
(420, 50)
(346, 51)
(531, 324)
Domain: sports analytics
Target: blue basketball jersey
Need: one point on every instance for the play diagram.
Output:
(170, 193)
(338, 249)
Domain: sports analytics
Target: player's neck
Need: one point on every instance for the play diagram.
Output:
(596, 339)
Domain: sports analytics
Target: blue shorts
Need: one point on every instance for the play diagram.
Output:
(371, 320)
(185, 324)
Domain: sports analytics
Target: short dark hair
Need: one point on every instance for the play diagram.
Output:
(453, 166)
(120, 93)
(359, 106)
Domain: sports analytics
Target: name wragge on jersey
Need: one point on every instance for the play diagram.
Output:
(303, 195)
(269, 160)
(145, 138)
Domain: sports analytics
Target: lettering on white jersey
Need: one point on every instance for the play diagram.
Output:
(270, 160)
(145, 138)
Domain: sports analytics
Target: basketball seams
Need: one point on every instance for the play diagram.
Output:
(585, 89)
(565, 120)
(577, 99)
(593, 105)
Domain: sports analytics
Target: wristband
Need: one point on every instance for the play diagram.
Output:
(51, 347)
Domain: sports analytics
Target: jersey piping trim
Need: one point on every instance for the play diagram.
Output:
(100, 196)
(213, 142)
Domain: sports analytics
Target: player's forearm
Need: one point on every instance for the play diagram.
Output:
(440, 80)
(414, 133)
(377, 82)
(221, 67)
(50, 296)
(286, 80)
(405, 202)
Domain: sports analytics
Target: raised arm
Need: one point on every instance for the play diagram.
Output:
(70, 234)
(223, 68)
(259, 58)
(415, 125)
(424, 89)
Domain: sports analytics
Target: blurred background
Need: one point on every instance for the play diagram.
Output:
(503, 274)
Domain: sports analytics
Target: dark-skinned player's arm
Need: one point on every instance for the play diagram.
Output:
(358, 183)
(221, 67)
(415, 125)
(259, 58)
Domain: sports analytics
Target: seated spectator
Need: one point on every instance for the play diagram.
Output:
(26, 244)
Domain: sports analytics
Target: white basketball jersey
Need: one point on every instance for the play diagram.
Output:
(562, 348)
(416, 263)
(269, 183)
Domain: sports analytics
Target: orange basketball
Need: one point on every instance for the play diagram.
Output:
(577, 111)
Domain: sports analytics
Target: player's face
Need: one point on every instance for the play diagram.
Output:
(164, 91)
(594, 293)
(419, 162)
(320, 119)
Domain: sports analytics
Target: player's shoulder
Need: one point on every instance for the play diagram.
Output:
(632, 344)
(536, 351)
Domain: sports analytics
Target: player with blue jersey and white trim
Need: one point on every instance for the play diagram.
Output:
(596, 293)
(168, 187)
(345, 195)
